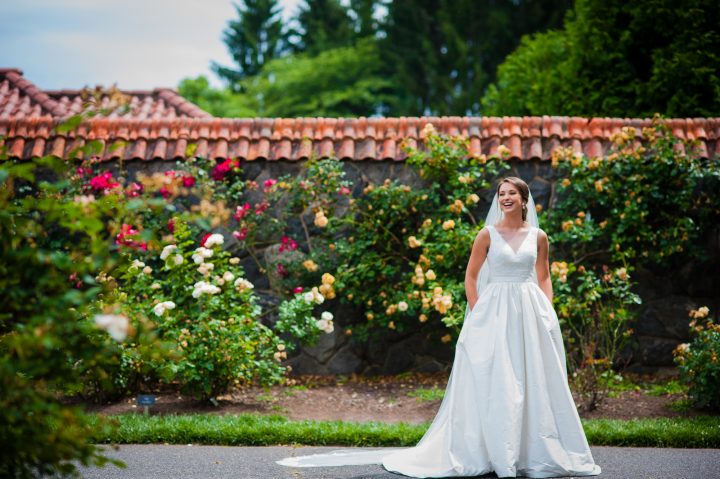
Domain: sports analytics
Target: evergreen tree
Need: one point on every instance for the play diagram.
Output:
(253, 39)
(363, 15)
(443, 54)
(322, 25)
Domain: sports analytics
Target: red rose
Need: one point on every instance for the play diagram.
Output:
(188, 181)
(202, 242)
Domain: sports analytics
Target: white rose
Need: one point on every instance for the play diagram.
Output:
(202, 287)
(147, 270)
(166, 251)
(402, 306)
(178, 259)
(242, 283)
(136, 264)
(200, 254)
(327, 315)
(228, 276)
(160, 308)
(205, 268)
(116, 325)
(214, 239)
(322, 324)
(155, 286)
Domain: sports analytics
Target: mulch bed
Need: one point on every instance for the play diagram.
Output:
(362, 399)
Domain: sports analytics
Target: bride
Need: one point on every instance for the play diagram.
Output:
(507, 407)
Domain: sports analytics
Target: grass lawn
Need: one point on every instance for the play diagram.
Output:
(259, 430)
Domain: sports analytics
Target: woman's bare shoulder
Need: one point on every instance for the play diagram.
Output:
(541, 235)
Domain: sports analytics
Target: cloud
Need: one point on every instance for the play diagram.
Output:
(138, 44)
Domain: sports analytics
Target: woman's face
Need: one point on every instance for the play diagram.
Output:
(509, 198)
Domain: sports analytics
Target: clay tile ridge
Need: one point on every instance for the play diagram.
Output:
(16, 78)
(181, 104)
(350, 138)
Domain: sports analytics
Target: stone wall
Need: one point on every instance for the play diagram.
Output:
(662, 321)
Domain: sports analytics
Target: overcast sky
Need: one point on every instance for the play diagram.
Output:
(137, 44)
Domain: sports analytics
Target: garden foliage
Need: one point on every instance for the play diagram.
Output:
(698, 360)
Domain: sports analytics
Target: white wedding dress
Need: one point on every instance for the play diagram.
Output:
(507, 407)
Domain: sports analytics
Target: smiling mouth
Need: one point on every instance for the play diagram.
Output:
(507, 204)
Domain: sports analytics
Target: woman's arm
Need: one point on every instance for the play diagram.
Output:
(477, 259)
(542, 266)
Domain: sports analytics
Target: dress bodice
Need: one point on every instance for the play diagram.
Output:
(507, 265)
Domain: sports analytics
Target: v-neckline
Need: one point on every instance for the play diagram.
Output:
(522, 243)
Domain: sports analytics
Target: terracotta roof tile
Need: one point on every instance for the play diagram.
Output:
(161, 125)
(20, 98)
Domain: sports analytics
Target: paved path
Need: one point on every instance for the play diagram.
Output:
(210, 462)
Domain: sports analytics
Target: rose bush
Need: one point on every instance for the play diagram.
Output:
(643, 204)
(699, 362)
(54, 244)
(413, 243)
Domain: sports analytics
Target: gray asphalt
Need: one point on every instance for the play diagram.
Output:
(210, 462)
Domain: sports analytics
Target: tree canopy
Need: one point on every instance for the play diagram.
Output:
(470, 57)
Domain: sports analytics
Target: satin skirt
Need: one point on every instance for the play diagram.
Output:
(507, 406)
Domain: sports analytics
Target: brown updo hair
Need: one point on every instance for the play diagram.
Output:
(522, 187)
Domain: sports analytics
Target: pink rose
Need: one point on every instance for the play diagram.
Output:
(288, 244)
(188, 181)
(134, 190)
(103, 182)
(241, 211)
(261, 207)
(240, 235)
(221, 170)
(125, 238)
(298, 289)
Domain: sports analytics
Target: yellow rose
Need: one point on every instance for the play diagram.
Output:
(414, 242)
(320, 220)
(446, 339)
(566, 182)
(428, 130)
(622, 274)
(327, 278)
(503, 151)
(567, 225)
(430, 274)
(448, 225)
(310, 265)
(422, 318)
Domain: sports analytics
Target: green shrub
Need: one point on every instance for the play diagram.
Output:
(52, 246)
(413, 243)
(698, 361)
